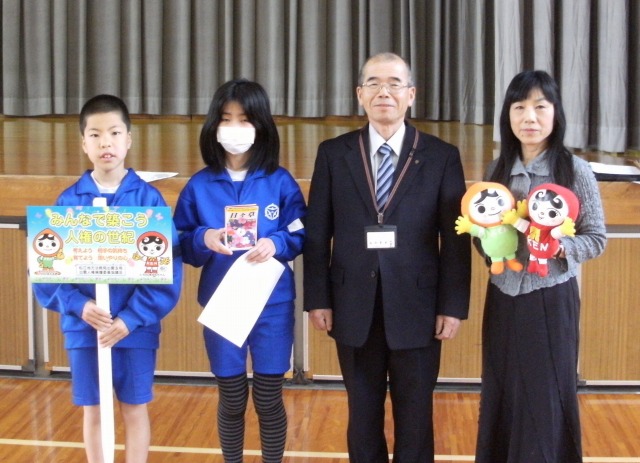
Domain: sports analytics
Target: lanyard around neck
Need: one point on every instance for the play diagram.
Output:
(367, 169)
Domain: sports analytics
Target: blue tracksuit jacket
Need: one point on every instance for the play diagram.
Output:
(140, 307)
(281, 212)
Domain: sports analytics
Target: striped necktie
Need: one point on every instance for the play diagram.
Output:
(385, 175)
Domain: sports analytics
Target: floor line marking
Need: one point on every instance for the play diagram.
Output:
(289, 453)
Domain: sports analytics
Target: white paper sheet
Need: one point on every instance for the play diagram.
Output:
(236, 305)
(149, 176)
(614, 169)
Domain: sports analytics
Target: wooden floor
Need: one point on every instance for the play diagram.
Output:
(39, 424)
(51, 145)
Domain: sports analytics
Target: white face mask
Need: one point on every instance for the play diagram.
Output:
(236, 140)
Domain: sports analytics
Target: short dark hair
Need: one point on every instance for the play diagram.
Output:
(101, 104)
(558, 156)
(265, 152)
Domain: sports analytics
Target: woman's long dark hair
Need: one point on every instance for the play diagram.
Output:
(265, 152)
(558, 156)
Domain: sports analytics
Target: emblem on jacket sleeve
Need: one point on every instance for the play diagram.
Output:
(272, 211)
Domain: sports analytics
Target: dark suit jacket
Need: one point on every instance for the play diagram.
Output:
(428, 273)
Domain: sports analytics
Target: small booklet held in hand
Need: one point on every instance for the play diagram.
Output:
(241, 226)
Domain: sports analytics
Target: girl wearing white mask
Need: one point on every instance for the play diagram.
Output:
(240, 145)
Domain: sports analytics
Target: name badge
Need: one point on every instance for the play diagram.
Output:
(380, 236)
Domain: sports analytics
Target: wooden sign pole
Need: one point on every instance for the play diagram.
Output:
(107, 422)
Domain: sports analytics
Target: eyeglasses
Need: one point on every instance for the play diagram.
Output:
(375, 87)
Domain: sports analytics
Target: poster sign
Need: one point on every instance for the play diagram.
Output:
(87, 244)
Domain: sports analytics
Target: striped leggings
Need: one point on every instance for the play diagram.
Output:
(267, 399)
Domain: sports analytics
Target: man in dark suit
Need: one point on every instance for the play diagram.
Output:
(384, 271)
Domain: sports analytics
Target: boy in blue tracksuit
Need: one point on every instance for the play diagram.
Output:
(239, 143)
(133, 327)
